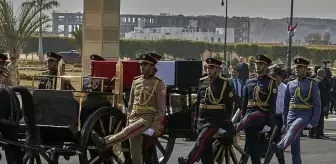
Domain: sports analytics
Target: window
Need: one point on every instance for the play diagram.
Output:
(219, 39)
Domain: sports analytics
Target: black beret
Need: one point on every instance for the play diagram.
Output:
(213, 62)
(148, 59)
(53, 56)
(155, 56)
(263, 59)
(3, 57)
(96, 57)
(301, 62)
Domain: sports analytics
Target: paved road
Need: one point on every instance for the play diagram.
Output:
(313, 151)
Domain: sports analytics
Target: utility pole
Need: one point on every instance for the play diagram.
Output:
(225, 31)
(291, 33)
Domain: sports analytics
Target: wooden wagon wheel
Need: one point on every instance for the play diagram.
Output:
(105, 121)
(33, 157)
(224, 151)
(164, 146)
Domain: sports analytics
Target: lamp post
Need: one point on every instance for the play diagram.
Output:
(291, 33)
(225, 30)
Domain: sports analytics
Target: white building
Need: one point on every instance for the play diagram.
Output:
(180, 33)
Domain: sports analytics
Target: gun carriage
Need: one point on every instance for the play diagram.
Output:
(65, 119)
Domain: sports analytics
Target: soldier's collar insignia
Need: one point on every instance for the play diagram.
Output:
(230, 94)
(274, 90)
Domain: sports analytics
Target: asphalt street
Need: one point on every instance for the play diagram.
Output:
(314, 151)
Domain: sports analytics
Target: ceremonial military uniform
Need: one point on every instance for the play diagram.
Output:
(258, 109)
(302, 108)
(88, 83)
(214, 108)
(5, 76)
(146, 109)
(51, 82)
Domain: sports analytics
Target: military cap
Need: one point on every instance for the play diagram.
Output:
(3, 57)
(96, 57)
(213, 62)
(301, 62)
(263, 59)
(155, 56)
(53, 56)
(147, 59)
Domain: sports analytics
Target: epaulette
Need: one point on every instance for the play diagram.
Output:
(203, 78)
(271, 77)
(157, 78)
(136, 77)
(314, 79)
(253, 75)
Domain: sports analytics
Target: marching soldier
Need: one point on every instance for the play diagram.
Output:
(50, 82)
(5, 77)
(213, 113)
(146, 109)
(302, 108)
(258, 109)
(14, 71)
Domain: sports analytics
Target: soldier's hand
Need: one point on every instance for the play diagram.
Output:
(149, 132)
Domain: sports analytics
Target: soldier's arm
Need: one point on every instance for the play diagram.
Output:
(131, 100)
(286, 105)
(316, 103)
(245, 101)
(272, 104)
(160, 105)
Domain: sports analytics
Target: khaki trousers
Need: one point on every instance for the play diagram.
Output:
(134, 132)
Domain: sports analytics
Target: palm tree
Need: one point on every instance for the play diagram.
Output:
(78, 34)
(16, 29)
(41, 5)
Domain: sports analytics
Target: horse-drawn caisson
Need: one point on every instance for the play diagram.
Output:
(60, 123)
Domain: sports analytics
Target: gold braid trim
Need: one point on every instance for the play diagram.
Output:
(302, 98)
(256, 92)
(150, 94)
(212, 99)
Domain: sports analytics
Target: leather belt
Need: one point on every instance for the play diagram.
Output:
(212, 107)
(143, 107)
(252, 103)
(300, 106)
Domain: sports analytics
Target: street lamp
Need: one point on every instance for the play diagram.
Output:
(225, 30)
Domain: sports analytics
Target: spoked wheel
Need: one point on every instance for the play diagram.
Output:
(33, 157)
(164, 148)
(225, 152)
(105, 121)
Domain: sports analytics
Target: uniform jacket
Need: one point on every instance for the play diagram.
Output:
(302, 92)
(265, 98)
(47, 82)
(221, 90)
(147, 100)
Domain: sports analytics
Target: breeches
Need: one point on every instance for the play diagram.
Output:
(133, 132)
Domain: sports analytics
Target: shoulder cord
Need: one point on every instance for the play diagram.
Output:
(211, 97)
(301, 97)
(256, 92)
(150, 94)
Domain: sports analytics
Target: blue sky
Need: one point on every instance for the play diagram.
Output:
(252, 8)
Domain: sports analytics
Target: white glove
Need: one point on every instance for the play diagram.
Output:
(221, 131)
(266, 129)
(149, 132)
(309, 126)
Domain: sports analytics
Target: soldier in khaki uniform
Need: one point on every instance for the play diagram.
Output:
(5, 77)
(146, 109)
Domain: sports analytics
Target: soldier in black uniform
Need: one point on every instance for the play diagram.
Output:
(48, 82)
(214, 102)
(258, 109)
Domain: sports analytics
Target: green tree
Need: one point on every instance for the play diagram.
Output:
(41, 6)
(16, 29)
(313, 39)
(251, 65)
(78, 34)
